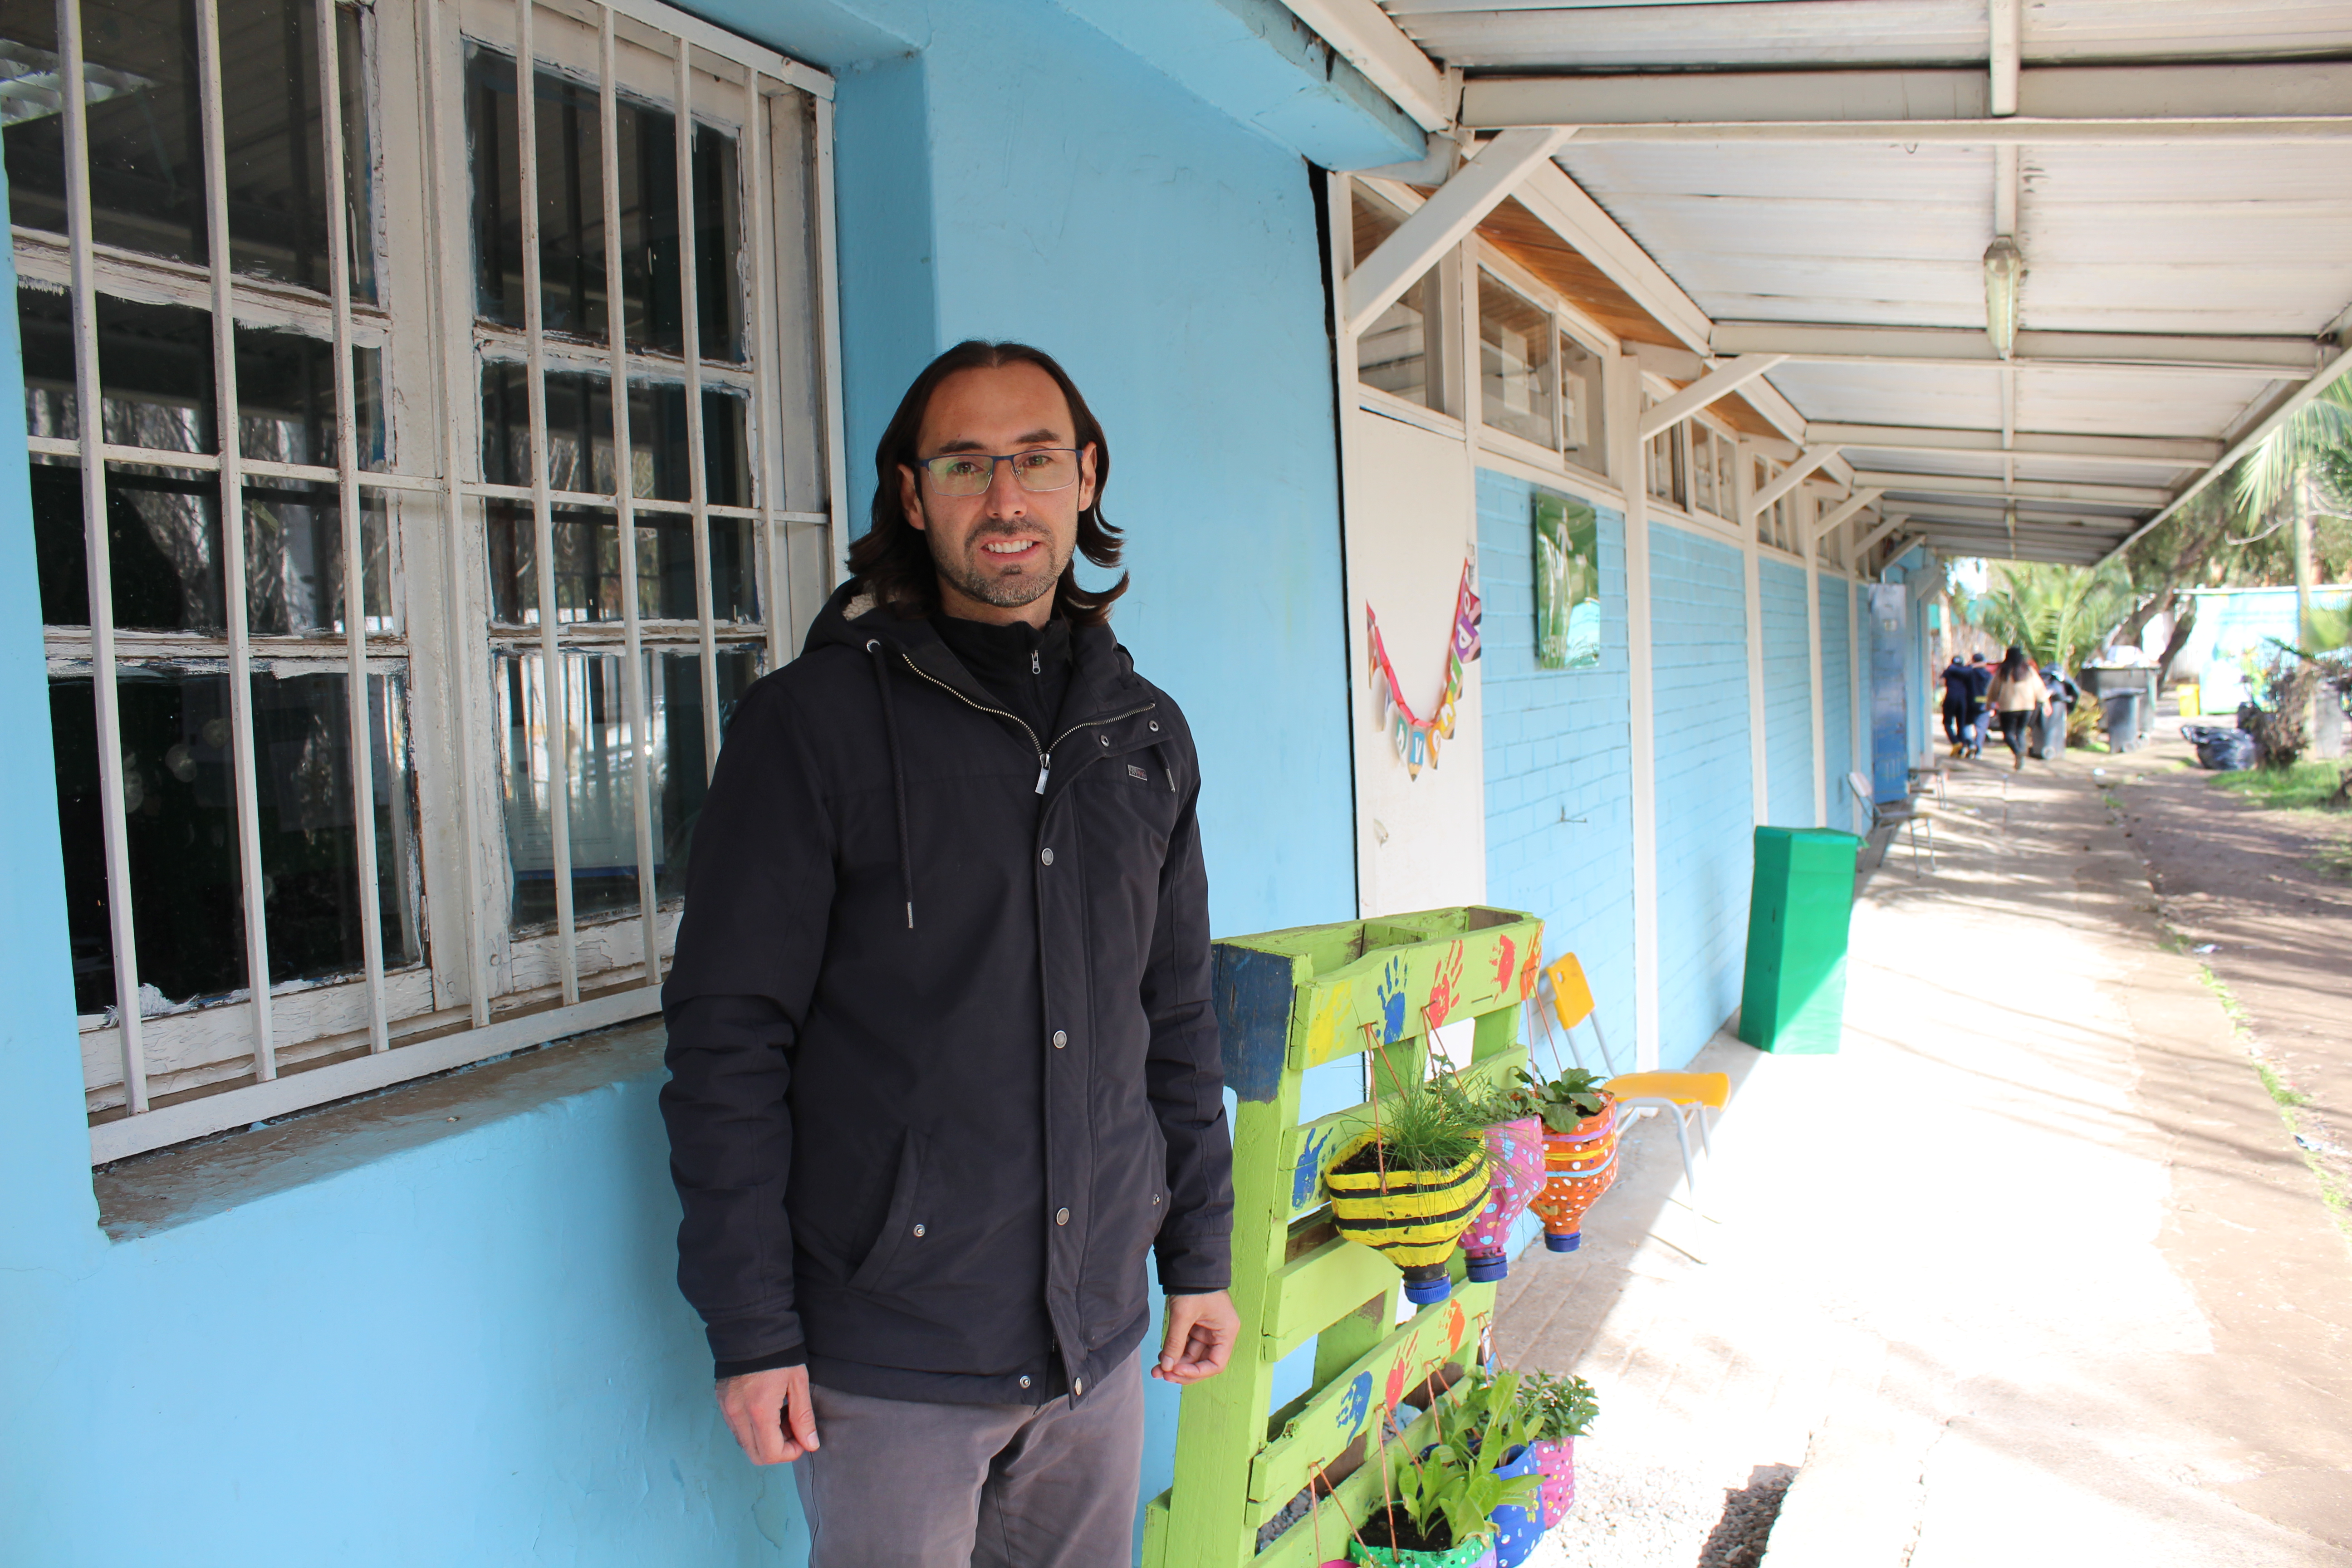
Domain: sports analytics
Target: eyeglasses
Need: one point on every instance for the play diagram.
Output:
(1039, 469)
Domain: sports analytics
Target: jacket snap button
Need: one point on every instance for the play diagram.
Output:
(1061, 1216)
(1060, 1039)
(919, 1229)
(1046, 855)
(1024, 1380)
(1155, 1204)
(1103, 739)
(1155, 726)
(1077, 1387)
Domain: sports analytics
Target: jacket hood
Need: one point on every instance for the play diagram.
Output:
(851, 618)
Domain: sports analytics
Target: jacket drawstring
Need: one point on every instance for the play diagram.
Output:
(1164, 768)
(897, 774)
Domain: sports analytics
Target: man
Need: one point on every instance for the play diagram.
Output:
(1956, 704)
(943, 1063)
(1980, 689)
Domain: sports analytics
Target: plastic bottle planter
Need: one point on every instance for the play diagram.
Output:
(1414, 1217)
(1556, 1463)
(1579, 1166)
(1478, 1553)
(1518, 1151)
(1518, 1529)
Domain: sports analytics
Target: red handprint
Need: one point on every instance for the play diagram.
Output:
(1527, 970)
(1446, 989)
(1507, 959)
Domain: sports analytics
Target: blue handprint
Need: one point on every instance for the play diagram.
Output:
(1310, 1169)
(1353, 1404)
(1391, 994)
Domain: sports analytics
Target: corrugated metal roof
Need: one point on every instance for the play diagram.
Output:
(2239, 238)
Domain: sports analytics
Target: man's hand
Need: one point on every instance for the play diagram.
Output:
(758, 1406)
(1201, 1334)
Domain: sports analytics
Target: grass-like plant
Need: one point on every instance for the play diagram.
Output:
(1420, 1130)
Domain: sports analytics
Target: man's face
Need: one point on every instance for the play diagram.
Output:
(999, 553)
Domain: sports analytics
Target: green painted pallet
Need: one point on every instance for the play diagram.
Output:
(1287, 1001)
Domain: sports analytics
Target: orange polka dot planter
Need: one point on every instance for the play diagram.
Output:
(1579, 1166)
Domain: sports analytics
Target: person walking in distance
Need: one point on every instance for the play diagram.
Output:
(1980, 684)
(1957, 692)
(944, 1064)
(2017, 695)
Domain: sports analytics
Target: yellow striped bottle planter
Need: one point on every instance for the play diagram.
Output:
(1414, 1218)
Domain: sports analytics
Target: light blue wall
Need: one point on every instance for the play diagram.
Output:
(472, 1353)
(1559, 752)
(1837, 699)
(1698, 613)
(1787, 696)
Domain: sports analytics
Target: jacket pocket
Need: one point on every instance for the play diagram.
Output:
(899, 1225)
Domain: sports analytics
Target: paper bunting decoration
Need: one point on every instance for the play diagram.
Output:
(1416, 738)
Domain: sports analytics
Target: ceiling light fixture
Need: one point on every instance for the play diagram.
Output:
(2004, 267)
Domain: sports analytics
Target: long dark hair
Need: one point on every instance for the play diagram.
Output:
(2014, 665)
(893, 560)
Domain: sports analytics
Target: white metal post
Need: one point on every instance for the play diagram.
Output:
(1741, 504)
(828, 267)
(1807, 505)
(89, 405)
(354, 534)
(690, 309)
(232, 561)
(1624, 387)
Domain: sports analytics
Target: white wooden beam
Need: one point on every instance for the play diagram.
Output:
(1561, 204)
(1367, 40)
(2294, 99)
(2004, 54)
(1828, 343)
(2036, 490)
(1724, 379)
(1438, 225)
(2149, 451)
(1854, 506)
(1789, 479)
(1862, 547)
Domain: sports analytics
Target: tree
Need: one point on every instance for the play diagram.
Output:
(2057, 614)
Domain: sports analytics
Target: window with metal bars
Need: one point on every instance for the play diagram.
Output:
(389, 648)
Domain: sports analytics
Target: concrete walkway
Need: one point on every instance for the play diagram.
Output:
(2029, 1273)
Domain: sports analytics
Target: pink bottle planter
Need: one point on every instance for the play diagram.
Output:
(1556, 1463)
(1518, 1175)
(1579, 1166)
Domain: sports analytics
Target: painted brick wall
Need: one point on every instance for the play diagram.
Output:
(1787, 696)
(1837, 701)
(1559, 747)
(1698, 598)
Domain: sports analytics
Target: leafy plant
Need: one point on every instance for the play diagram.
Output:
(2057, 614)
(1554, 1408)
(1455, 1482)
(1566, 1100)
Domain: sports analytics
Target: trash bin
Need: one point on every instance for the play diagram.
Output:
(1793, 997)
(2052, 733)
(2119, 715)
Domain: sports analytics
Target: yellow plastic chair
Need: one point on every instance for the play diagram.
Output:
(1682, 1097)
(1572, 1003)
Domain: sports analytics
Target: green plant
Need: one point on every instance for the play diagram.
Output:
(1554, 1408)
(1454, 1481)
(2057, 614)
(1422, 1129)
(1566, 1100)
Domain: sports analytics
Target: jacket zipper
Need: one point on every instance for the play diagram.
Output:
(1045, 753)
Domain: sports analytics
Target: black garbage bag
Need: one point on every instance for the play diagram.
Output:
(2223, 751)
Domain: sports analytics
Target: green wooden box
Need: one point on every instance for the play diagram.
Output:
(1793, 999)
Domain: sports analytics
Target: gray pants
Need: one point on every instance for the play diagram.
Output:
(899, 1484)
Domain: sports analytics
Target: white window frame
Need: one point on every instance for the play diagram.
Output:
(480, 990)
(1443, 335)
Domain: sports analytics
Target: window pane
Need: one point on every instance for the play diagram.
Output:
(683, 777)
(1395, 353)
(567, 135)
(1583, 418)
(1514, 340)
(154, 366)
(600, 790)
(276, 145)
(579, 420)
(294, 561)
(588, 566)
(188, 917)
(1703, 469)
(163, 545)
(146, 168)
(1667, 477)
(309, 856)
(285, 399)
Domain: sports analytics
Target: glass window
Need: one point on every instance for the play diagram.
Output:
(1583, 407)
(1515, 370)
(1704, 495)
(1399, 351)
(1665, 464)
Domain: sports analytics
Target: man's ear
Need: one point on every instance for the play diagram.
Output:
(1086, 476)
(910, 498)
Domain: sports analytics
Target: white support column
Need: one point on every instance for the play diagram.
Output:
(1625, 391)
(1743, 510)
(1809, 505)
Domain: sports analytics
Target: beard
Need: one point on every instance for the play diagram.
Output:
(972, 576)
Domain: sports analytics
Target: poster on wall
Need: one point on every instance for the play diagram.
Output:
(1568, 584)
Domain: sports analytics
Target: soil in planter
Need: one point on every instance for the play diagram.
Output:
(1393, 1527)
(1371, 1158)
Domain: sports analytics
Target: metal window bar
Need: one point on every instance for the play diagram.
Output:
(767, 466)
(690, 311)
(246, 785)
(633, 671)
(554, 691)
(89, 411)
(836, 449)
(357, 706)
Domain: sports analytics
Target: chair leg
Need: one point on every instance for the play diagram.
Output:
(1690, 1176)
(1705, 1143)
(1608, 1063)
